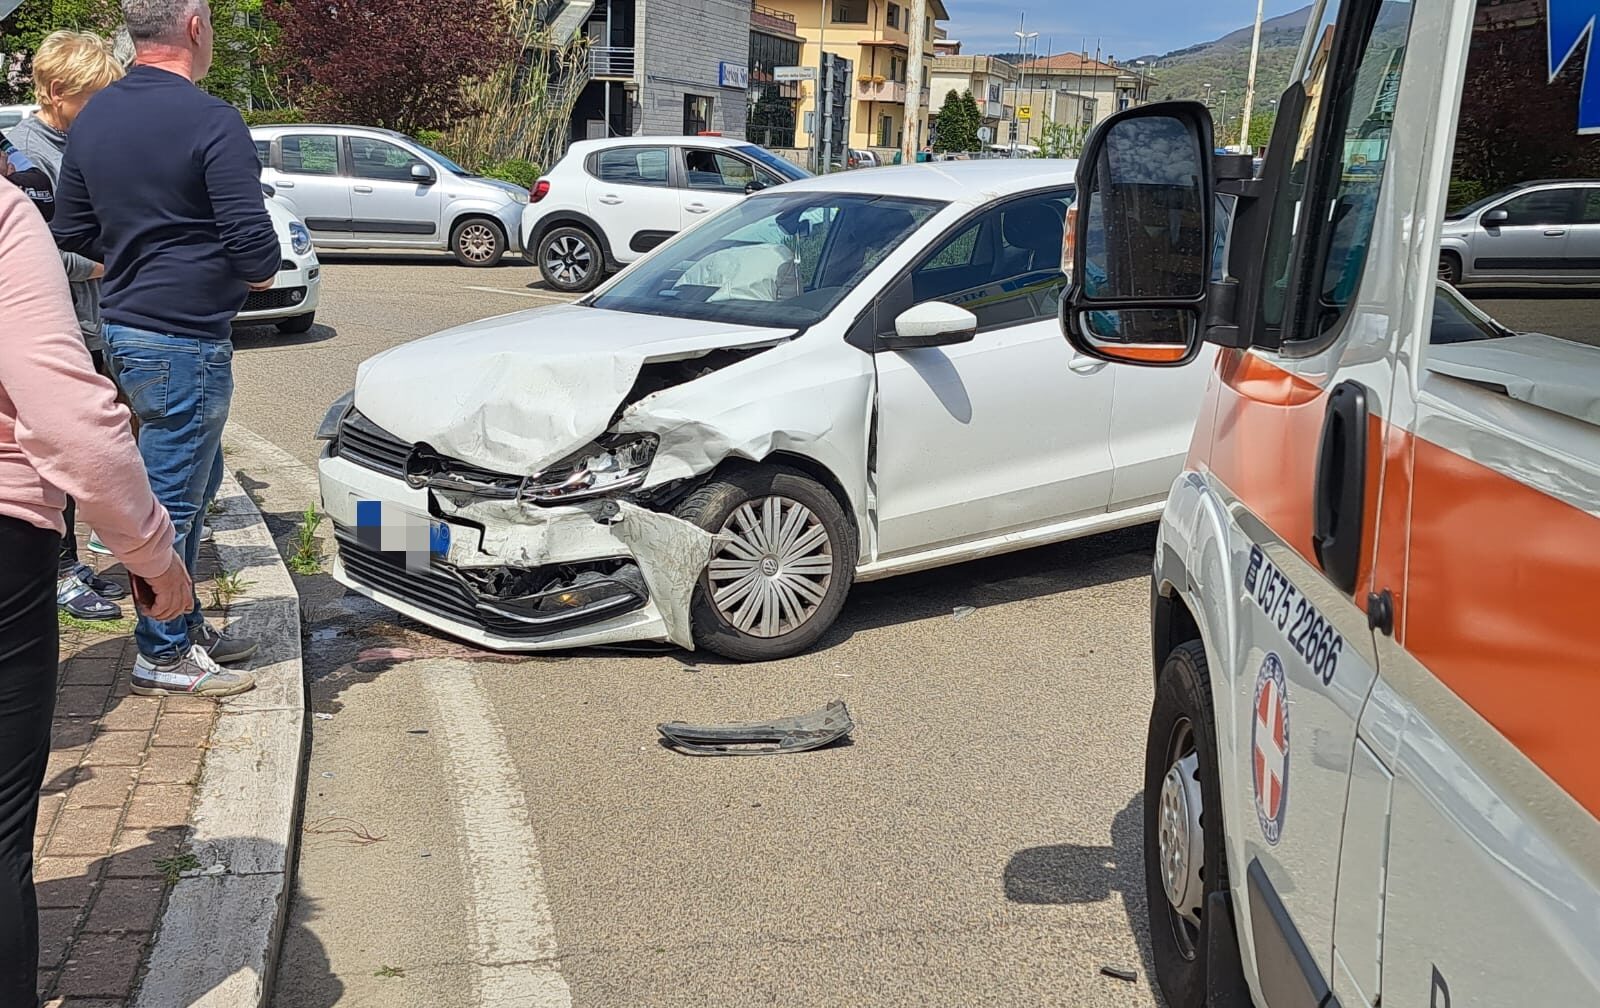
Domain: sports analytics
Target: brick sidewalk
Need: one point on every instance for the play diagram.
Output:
(114, 815)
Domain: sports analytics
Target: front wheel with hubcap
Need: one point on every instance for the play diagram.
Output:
(478, 242)
(1450, 268)
(570, 260)
(1184, 857)
(784, 562)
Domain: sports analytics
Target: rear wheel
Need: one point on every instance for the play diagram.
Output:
(1450, 268)
(570, 259)
(478, 242)
(785, 561)
(1184, 858)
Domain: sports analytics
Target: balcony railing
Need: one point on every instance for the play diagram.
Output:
(611, 61)
(886, 91)
(767, 17)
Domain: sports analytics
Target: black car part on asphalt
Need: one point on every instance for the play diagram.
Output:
(800, 733)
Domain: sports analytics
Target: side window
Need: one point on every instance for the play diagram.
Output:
(1004, 266)
(380, 160)
(707, 169)
(264, 152)
(646, 166)
(1547, 206)
(311, 155)
(1590, 205)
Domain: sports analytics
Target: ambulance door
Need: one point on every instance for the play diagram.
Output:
(1491, 887)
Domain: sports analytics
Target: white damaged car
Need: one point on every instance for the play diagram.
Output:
(840, 380)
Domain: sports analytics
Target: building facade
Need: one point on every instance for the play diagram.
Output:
(875, 35)
(987, 77)
(774, 105)
(1111, 86)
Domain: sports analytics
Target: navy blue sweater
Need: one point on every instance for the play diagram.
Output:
(160, 182)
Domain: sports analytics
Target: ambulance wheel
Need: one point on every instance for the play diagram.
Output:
(784, 562)
(1184, 857)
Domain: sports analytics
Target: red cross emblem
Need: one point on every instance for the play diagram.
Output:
(1269, 739)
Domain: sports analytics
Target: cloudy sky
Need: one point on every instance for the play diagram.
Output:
(1126, 29)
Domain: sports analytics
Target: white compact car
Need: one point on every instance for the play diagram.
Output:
(359, 187)
(608, 202)
(841, 379)
(10, 115)
(291, 301)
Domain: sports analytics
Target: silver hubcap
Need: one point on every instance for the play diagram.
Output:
(1444, 269)
(477, 242)
(772, 567)
(568, 259)
(1182, 839)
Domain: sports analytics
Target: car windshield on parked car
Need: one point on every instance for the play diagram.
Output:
(779, 260)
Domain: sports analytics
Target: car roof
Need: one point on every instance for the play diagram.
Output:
(583, 148)
(274, 129)
(965, 182)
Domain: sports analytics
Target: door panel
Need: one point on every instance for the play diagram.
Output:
(632, 199)
(1000, 434)
(713, 179)
(311, 182)
(388, 207)
(1533, 243)
(1152, 422)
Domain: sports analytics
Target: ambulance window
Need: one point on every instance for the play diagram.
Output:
(1517, 305)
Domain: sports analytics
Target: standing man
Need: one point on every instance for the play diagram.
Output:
(160, 182)
(68, 69)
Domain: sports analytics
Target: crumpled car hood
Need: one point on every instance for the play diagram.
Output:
(515, 393)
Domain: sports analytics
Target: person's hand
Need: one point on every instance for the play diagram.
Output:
(261, 285)
(167, 596)
(5, 165)
(98, 272)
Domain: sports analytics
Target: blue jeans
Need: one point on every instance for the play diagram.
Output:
(180, 389)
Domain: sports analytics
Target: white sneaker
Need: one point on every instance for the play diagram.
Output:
(195, 674)
(96, 546)
(206, 535)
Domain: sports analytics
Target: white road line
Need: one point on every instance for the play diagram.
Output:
(514, 950)
(552, 298)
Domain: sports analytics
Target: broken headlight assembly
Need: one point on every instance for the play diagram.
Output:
(612, 464)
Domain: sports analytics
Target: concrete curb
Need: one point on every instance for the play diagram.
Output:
(217, 943)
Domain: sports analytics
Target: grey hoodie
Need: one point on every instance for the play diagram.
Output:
(45, 145)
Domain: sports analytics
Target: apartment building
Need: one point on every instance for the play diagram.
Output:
(775, 42)
(875, 35)
(1112, 87)
(986, 77)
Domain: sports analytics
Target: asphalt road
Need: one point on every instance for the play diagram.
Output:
(492, 830)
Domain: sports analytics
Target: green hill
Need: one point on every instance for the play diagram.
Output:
(1225, 65)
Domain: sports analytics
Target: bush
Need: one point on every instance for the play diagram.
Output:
(271, 117)
(431, 138)
(515, 171)
(1464, 191)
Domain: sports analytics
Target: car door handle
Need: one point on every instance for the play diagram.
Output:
(1554, 233)
(283, 185)
(1340, 498)
(1086, 365)
(363, 188)
(610, 200)
(697, 208)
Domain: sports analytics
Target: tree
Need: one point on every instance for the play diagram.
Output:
(1261, 124)
(974, 119)
(23, 30)
(958, 123)
(1061, 140)
(392, 63)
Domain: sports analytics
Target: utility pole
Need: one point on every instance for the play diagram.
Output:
(817, 88)
(913, 114)
(1250, 84)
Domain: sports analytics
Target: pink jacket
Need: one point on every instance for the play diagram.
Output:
(62, 430)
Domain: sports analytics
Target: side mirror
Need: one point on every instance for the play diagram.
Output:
(930, 324)
(753, 186)
(421, 174)
(1139, 241)
(268, 191)
(1494, 218)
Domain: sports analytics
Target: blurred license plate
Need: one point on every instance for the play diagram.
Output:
(389, 528)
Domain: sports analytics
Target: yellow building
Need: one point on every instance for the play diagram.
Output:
(875, 36)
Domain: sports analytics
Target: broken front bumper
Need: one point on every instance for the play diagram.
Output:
(509, 577)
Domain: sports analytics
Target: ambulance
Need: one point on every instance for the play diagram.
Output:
(1373, 761)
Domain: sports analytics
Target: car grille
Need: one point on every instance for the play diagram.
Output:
(274, 300)
(440, 591)
(371, 447)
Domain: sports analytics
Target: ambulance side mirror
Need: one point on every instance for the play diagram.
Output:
(1139, 239)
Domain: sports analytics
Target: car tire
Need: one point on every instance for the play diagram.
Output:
(570, 259)
(1450, 268)
(798, 586)
(477, 242)
(298, 324)
(1180, 771)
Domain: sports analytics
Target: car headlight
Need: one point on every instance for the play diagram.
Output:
(521, 198)
(328, 430)
(611, 464)
(299, 238)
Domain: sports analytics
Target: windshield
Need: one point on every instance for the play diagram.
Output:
(1474, 207)
(762, 156)
(448, 164)
(783, 260)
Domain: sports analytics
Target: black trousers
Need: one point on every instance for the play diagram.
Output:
(28, 654)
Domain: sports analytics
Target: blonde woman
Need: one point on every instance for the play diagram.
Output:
(68, 69)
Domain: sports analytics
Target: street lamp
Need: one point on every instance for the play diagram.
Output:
(1023, 38)
(1142, 97)
(1208, 94)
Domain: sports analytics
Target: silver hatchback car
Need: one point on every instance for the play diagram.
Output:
(359, 187)
(1533, 233)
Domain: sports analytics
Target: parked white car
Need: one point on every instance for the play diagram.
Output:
(10, 115)
(291, 302)
(842, 379)
(608, 202)
(359, 187)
